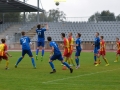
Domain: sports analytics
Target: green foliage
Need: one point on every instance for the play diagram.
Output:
(88, 77)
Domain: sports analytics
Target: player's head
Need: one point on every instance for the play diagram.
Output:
(62, 35)
(70, 34)
(101, 37)
(38, 26)
(78, 35)
(3, 40)
(97, 34)
(49, 39)
(117, 39)
(23, 33)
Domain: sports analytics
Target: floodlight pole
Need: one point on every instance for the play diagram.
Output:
(38, 16)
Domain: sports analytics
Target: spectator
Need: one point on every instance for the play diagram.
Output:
(1, 22)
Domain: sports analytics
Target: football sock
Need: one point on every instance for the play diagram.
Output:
(19, 61)
(37, 51)
(77, 61)
(52, 65)
(106, 60)
(117, 57)
(33, 62)
(95, 58)
(71, 61)
(42, 52)
(68, 60)
(67, 65)
(7, 63)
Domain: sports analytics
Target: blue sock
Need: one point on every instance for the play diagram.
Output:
(42, 52)
(33, 62)
(52, 65)
(66, 64)
(77, 61)
(37, 51)
(19, 61)
(95, 58)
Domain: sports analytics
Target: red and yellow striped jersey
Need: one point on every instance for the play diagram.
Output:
(3, 48)
(118, 45)
(102, 45)
(66, 44)
(71, 42)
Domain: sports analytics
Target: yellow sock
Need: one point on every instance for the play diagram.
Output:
(71, 61)
(98, 60)
(117, 58)
(65, 59)
(106, 60)
(7, 63)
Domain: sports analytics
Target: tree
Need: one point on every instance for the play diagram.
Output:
(103, 16)
(118, 18)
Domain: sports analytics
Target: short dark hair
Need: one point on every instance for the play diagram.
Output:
(63, 34)
(3, 40)
(97, 33)
(117, 38)
(49, 38)
(23, 33)
(38, 26)
(79, 34)
(102, 37)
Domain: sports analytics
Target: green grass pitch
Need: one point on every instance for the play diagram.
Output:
(88, 77)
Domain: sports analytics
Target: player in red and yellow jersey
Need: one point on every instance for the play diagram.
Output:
(66, 47)
(118, 49)
(71, 43)
(102, 52)
(4, 53)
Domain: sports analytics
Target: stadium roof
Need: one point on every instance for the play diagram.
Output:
(17, 6)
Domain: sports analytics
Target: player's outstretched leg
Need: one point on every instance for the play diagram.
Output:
(19, 60)
(42, 54)
(33, 62)
(116, 58)
(52, 66)
(107, 64)
(7, 63)
(68, 66)
(37, 51)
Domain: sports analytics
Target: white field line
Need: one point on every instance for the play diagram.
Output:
(62, 79)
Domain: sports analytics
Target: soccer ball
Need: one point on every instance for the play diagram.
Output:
(64, 68)
(57, 3)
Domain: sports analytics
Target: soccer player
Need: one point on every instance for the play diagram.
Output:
(102, 52)
(56, 54)
(66, 47)
(78, 50)
(41, 39)
(96, 46)
(118, 49)
(25, 42)
(3, 53)
(71, 43)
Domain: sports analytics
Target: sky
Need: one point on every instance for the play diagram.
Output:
(80, 8)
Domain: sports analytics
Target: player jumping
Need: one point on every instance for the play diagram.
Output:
(96, 46)
(118, 49)
(56, 54)
(102, 52)
(71, 43)
(41, 40)
(78, 49)
(25, 42)
(3, 53)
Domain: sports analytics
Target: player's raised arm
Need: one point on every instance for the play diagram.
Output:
(47, 28)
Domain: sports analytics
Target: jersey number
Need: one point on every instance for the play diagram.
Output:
(24, 40)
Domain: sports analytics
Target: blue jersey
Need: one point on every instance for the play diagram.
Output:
(41, 35)
(97, 42)
(25, 42)
(56, 49)
(78, 42)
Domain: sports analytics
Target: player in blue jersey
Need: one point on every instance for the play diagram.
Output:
(25, 42)
(56, 54)
(41, 40)
(78, 49)
(96, 46)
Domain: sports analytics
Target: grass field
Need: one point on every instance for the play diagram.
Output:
(88, 77)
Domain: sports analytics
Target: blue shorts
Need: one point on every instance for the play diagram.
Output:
(59, 57)
(42, 43)
(96, 50)
(78, 53)
(27, 52)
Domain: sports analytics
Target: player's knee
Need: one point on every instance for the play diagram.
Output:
(50, 61)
